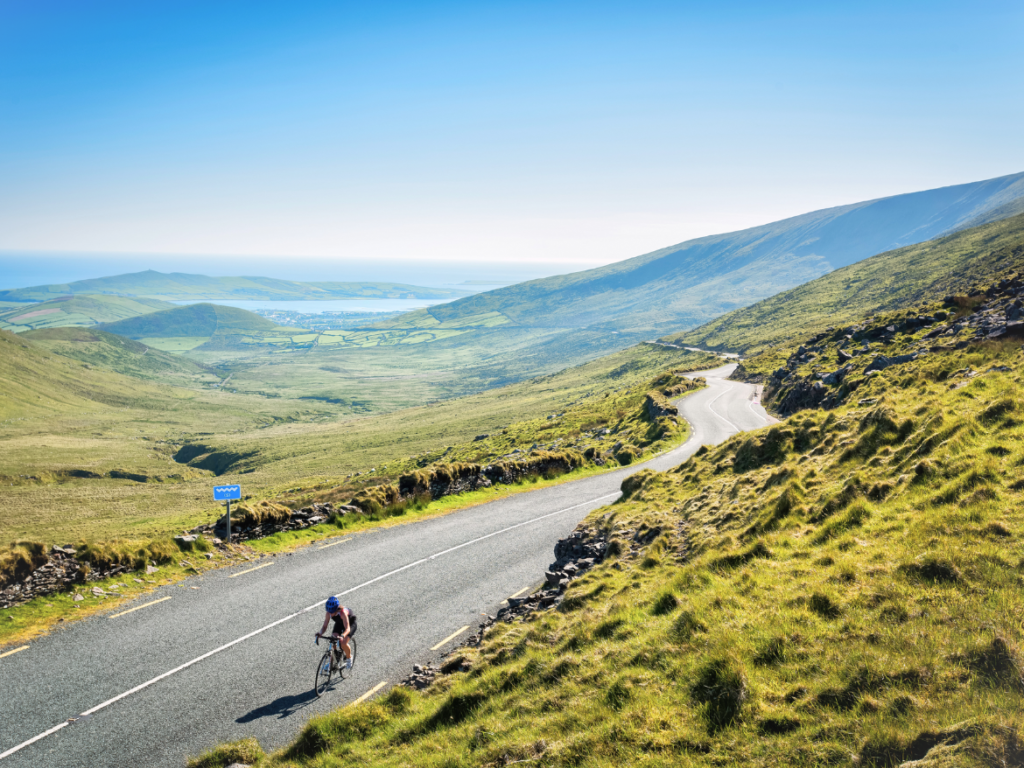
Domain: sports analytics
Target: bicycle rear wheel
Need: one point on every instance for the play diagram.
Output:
(348, 672)
(324, 670)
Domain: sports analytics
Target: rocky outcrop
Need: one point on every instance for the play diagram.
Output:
(451, 479)
(61, 571)
(881, 362)
(245, 527)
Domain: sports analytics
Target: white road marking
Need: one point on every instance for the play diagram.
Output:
(242, 573)
(723, 392)
(450, 637)
(335, 543)
(517, 594)
(139, 607)
(260, 631)
(16, 650)
(369, 693)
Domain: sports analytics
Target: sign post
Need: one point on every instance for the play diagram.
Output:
(226, 493)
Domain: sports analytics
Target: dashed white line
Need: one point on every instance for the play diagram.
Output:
(450, 637)
(369, 693)
(139, 607)
(242, 573)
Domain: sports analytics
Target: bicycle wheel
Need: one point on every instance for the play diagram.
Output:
(348, 672)
(324, 670)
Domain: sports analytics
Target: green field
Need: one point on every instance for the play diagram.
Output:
(82, 310)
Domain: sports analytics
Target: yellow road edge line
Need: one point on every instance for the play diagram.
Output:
(517, 594)
(16, 650)
(335, 543)
(242, 573)
(369, 693)
(139, 607)
(450, 637)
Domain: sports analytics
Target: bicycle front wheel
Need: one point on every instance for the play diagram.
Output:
(324, 670)
(352, 647)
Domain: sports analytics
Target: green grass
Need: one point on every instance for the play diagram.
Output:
(88, 454)
(84, 310)
(192, 320)
(117, 353)
(846, 583)
(887, 282)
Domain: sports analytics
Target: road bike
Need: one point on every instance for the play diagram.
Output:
(328, 667)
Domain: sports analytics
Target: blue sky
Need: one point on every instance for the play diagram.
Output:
(569, 132)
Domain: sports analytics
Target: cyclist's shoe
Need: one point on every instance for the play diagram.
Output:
(348, 664)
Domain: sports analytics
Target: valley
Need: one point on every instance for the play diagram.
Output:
(882, 504)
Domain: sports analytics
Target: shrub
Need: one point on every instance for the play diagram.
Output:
(686, 626)
(721, 687)
(665, 603)
(824, 606)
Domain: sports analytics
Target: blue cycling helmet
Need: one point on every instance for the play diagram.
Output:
(332, 604)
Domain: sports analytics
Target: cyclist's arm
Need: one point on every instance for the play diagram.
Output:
(327, 620)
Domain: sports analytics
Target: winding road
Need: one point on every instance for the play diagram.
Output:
(230, 654)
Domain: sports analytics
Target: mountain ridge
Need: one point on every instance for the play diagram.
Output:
(668, 289)
(182, 286)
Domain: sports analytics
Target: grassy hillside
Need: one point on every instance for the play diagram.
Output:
(179, 286)
(68, 428)
(900, 278)
(196, 321)
(120, 354)
(84, 310)
(690, 283)
(841, 588)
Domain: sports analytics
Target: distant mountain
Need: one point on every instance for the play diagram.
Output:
(81, 310)
(885, 282)
(181, 287)
(688, 284)
(192, 320)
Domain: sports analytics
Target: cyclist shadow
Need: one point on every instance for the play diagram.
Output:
(282, 707)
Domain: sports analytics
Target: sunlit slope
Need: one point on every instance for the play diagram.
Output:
(84, 310)
(193, 320)
(690, 283)
(117, 353)
(887, 281)
(36, 382)
(180, 286)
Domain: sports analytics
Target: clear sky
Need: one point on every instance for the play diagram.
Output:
(582, 132)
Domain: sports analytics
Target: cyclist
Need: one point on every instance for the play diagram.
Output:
(344, 626)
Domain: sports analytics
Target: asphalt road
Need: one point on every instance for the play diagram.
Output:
(230, 654)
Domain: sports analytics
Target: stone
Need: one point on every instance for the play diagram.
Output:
(151, 569)
(552, 578)
(189, 539)
(78, 598)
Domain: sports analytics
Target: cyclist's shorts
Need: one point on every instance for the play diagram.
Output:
(339, 625)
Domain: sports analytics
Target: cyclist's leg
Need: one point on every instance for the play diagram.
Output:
(345, 647)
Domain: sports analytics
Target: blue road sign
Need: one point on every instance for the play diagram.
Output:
(227, 492)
